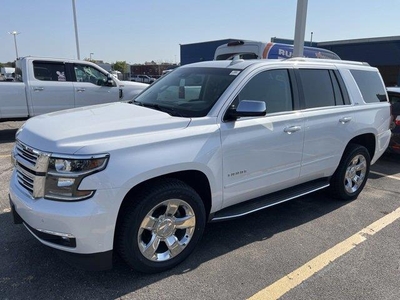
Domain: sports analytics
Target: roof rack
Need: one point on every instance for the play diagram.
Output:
(335, 61)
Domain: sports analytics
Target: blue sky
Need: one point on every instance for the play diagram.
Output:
(139, 31)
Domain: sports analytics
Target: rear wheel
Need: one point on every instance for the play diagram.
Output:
(352, 173)
(161, 228)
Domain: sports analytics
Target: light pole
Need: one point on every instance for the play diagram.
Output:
(15, 33)
(311, 38)
(76, 30)
(90, 56)
(300, 29)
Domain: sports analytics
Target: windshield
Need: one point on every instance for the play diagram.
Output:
(187, 92)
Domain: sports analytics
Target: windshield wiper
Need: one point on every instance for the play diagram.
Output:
(168, 110)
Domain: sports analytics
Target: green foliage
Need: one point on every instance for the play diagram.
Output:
(10, 64)
(120, 66)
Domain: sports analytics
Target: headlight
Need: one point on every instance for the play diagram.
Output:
(65, 174)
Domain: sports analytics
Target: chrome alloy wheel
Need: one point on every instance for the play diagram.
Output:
(166, 230)
(355, 173)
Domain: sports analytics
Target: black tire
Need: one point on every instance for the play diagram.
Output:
(351, 175)
(148, 238)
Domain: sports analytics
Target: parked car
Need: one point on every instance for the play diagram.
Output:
(8, 73)
(142, 78)
(394, 99)
(46, 85)
(210, 141)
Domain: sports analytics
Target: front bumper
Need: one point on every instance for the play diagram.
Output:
(78, 229)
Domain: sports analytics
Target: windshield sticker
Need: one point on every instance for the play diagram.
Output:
(234, 73)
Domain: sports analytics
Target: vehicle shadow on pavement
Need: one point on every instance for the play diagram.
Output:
(7, 135)
(29, 269)
(390, 157)
(389, 164)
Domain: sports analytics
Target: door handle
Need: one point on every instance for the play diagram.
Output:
(345, 120)
(291, 129)
(38, 88)
(80, 90)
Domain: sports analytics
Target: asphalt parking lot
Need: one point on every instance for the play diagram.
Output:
(313, 247)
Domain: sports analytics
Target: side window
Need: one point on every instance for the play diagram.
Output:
(273, 87)
(343, 89)
(317, 88)
(49, 71)
(84, 73)
(336, 88)
(370, 85)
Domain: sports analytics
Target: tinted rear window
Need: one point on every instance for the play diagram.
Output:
(370, 85)
(317, 88)
(49, 71)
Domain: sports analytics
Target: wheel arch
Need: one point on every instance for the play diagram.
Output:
(367, 140)
(194, 178)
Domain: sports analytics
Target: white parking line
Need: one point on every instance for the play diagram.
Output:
(384, 175)
(290, 281)
(5, 155)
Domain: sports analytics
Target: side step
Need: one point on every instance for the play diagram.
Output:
(253, 205)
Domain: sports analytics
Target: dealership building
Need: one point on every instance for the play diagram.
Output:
(383, 53)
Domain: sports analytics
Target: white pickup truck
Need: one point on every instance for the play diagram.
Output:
(209, 142)
(44, 85)
(142, 78)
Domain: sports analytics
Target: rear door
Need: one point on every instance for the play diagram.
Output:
(49, 87)
(90, 86)
(329, 120)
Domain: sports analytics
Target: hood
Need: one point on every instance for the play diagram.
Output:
(133, 84)
(131, 89)
(68, 131)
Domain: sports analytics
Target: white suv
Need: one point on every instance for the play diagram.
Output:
(211, 141)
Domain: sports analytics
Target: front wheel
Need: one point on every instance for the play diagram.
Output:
(161, 228)
(352, 173)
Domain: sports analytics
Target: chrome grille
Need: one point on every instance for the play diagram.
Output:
(31, 166)
(25, 179)
(26, 153)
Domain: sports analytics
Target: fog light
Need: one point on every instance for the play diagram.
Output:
(65, 182)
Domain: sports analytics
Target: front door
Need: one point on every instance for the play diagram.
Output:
(262, 154)
(90, 86)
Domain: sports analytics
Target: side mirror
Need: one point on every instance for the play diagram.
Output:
(247, 108)
(110, 80)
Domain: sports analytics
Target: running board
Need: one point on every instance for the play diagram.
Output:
(256, 204)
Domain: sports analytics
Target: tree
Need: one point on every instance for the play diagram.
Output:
(10, 64)
(120, 66)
